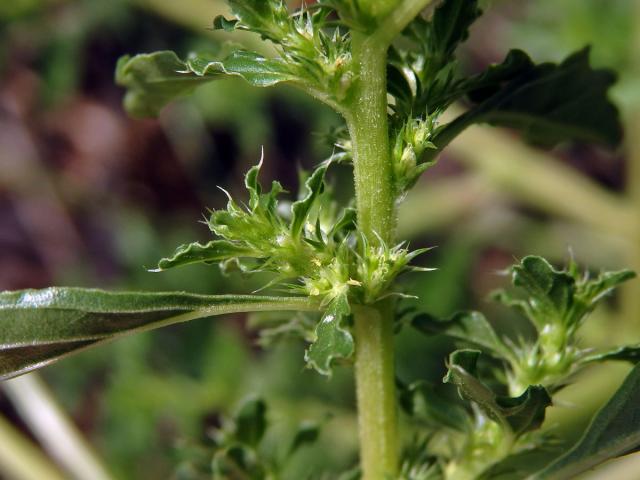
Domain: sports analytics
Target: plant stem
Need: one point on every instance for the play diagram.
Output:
(375, 200)
(21, 459)
(630, 301)
(53, 428)
(367, 122)
(375, 379)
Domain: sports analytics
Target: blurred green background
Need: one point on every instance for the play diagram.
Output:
(89, 197)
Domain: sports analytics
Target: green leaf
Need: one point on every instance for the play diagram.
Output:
(471, 328)
(549, 103)
(212, 252)
(488, 83)
(517, 414)
(38, 327)
(153, 80)
(261, 16)
(425, 402)
(221, 23)
(556, 297)
(237, 462)
(332, 339)
(628, 353)
(591, 291)
(549, 292)
(251, 422)
(423, 77)
(450, 25)
(307, 434)
(613, 432)
(257, 70)
(527, 411)
(300, 209)
(344, 224)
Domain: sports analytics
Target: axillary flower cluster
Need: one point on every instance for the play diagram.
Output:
(311, 246)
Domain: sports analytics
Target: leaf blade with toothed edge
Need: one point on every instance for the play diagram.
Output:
(332, 339)
(154, 79)
(211, 252)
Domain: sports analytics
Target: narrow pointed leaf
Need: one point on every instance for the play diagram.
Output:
(300, 209)
(214, 251)
(613, 432)
(332, 339)
(153, 80)
(628, 353)
(345, 223)
(38, 327)
(600, 286)
(518, 414)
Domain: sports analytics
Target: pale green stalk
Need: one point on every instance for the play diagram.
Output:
(367, 121)
(20, 459)
(368, 128)
(375, 200)
(374, 365)
(630, 305)
(53, 428)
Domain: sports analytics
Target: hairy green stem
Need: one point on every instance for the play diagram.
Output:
(375, 200)
(368, 128)
(375, 378)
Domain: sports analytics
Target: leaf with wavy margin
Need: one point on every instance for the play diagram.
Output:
(152, 80)
(516, 414)
(212, 252)
(333, 340)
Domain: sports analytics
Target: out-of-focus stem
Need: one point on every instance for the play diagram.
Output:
(39, 410)
(537, 179)
(630, 304)
(20, 459)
